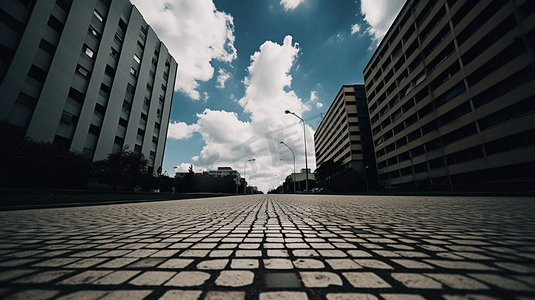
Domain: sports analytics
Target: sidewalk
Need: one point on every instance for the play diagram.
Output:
(273, 247)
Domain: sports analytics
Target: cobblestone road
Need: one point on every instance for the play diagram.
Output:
(273, 247)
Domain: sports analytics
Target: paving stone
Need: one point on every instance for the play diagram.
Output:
(188, 278)
(34, 294)
(283, 296)
(350, 296)
(332, 253)
(144, 263)
(402, 297)
(416, 281)
(320, 279)
(221, 253)
(306, 263)
(279, 253)
(462, 265)
(194, 253)
(235, 278)
(278, 263)
(358, 253)
(470, 297)
(85, 277)
(118, 262)
(244, 264)
(502, 282)
(181, 294)
(214, 264)
(56, 262)
(117, 277)
(248, 253)
(305, 253)
(152, 278)
(165, 253)
(373, 264)
(44, 277)
(458, 281)
(12, 274)
(518, 268)
(343, 264)
(219, 295)
(84, 295)
(130, 295)
(365, 280)
(412, 264)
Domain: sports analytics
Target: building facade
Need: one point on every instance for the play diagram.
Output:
(450, 93)
(344, 133)
(224, 171)
(89, 75)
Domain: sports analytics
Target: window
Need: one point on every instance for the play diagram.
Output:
(104, 88)
(94, 32)
(118, 38)
(122, 25)
(55, 24)
(133, 72)
(37, 73)
(143, 117)
(76, 95)
(137, 148)
(137, 59)
(123, 122)
(100, 110)
(82, 71)
(94, 129)
(88, 51)
(68, 118)
(109, 71)
(130, 89)
(114, 52)
(140, 45)
(98, 15)
(47, 47)
(149, 87)
(26, 100)
(126, 107)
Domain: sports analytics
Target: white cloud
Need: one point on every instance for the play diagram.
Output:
(290, 4)
(222, 78)
(230, 141)
(355, 28)
(380, 14)
(319, 105)
(181, 130)
(195, 33)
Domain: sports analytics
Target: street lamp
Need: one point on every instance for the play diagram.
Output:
(366, 178)
(245, 175)
(305, 138)
(293, 154)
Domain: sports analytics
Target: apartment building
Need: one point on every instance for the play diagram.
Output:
(344, 133)
(450, 93)
(91, 76)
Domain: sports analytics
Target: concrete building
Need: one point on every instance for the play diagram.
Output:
(224, 171)
(89, 75)
(450, 93)
(344, 133)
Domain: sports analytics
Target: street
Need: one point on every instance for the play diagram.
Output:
(273, 247)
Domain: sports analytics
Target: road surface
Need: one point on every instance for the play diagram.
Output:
(273, 247)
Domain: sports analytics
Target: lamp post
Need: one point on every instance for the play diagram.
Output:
(305, 138)
(245, 175)
(293, 154)
(366, 178)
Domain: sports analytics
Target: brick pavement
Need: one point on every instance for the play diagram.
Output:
(273, 247)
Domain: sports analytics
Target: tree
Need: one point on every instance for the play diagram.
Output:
(125, 168)
(335, 177)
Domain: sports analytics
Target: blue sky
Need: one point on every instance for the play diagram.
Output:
(242, 63)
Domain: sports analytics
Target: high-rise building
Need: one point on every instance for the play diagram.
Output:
(88, 75)
(450, 93)
(344, 134)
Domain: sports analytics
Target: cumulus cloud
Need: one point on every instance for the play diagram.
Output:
(195, 33)
(355, 28)
(222, 77)
(181, 130)
(380, 14)
(230, 141)
(290, 4)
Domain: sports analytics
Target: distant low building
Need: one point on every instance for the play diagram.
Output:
(224, 171)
